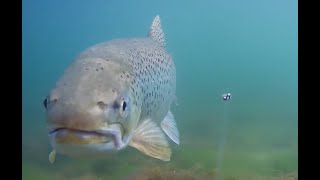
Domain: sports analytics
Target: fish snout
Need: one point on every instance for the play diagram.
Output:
(74, 117)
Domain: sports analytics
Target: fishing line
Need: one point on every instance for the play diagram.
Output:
(223, 135)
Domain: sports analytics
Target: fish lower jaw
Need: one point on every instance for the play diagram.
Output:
(108, 138)
(117, 133)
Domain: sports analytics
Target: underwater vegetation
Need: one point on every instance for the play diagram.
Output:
(191, 162)
(198, 173)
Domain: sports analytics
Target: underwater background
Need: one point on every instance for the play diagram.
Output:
(248, 48)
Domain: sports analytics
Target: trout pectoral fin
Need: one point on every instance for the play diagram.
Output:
(169, 126)
(150, 140)
(52, 156)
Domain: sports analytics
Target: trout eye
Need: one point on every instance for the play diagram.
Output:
(45, 103)
(48, 100)
(124, 105)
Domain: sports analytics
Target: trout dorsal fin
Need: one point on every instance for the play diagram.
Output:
(156, 33)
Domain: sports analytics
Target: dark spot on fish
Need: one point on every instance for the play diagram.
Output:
(101, 68)
(97, 69)
(87, 69)
(116, 105)
(127, 75)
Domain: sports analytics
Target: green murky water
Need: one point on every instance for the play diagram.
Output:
(248, 48)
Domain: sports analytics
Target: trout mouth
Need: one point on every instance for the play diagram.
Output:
(63, 135)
